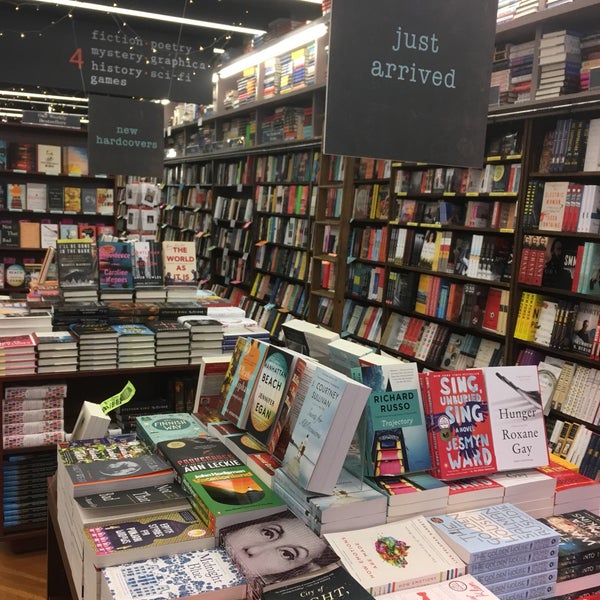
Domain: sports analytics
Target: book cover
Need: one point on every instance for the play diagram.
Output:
(77, 264)
(267, 396)
(230, 495)
(153, 429)
(72, 199)
(75, 160)
(324, 428)
(267, 568)
(56, 201)
(241, 377)
(16, 196)
(114, 475)
(396, 556)
(191, 454)
(105, 201)
(115, 266)
(49, 159)
(559, 262)
(199, 572)
(36, 197)
(147, 264)
(179, 263)
(458, 423)
(88, 200)
(579, 537)
(144, 537)
(493, 532)
(554, 204)
(394, 421)
(516, 417)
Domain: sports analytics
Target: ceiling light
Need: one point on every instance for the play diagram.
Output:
(154, 16)
(299, 38)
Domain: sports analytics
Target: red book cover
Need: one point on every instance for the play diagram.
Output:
(458, 423)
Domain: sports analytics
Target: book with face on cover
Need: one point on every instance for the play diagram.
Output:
(396, 556)
(276, 551)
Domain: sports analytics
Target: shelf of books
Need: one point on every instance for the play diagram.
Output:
(283, 192)
(46, 192)
(330, 240)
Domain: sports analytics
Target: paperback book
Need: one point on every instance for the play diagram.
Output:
(396, 556)
(395, 435)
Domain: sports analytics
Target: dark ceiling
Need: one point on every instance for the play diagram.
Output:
(26, 18)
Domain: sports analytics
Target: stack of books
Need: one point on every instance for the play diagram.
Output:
(56, 352)
(126, 414)
(578, 551)
(504, 548)
(560, 62)
(520, 60)
(206, 337)
(352, 502)
(97, 345)
(413, 494)
(17, 355)
(135, 345)
(172, 342)
(590, 58)
(86, 467)
(473, 492)
(232, 331)
(528, 489)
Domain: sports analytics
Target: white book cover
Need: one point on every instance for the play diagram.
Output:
(49, 159)
(516, 417)
(36, 197)
(176, 576)
(396, 556)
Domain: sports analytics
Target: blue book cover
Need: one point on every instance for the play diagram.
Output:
(395, 440)
(324, 430)
(494, 531)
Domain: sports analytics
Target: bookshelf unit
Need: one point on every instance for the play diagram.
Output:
(283, 192)
(94, 386)
(34, 192)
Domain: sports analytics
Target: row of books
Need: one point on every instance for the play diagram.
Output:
(282, 199)
(56, 198)
(577, 444)
(48, 159)
(288, 231)
(561, 324)
(561, 206)
(571, 146)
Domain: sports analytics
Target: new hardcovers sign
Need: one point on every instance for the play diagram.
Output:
(410, 80)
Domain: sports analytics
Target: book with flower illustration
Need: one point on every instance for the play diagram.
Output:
(396, 556)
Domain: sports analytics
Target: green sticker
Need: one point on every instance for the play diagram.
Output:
(124, 396)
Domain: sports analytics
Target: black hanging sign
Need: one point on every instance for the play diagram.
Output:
(410, 80)
(103, 56)
(125, 137)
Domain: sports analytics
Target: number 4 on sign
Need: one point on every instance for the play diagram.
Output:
(77, 58)
(124, 396)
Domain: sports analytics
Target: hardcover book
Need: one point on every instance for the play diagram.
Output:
(49, 159)
(115, 265)
(209, 573)
(179, 263)
(395, 440)
(396, 556)
(323, 432)
(105, 201)
(77, 264)
(493, 532)
(72, 199)
(147, 264)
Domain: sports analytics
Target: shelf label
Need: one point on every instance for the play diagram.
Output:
(124, 396)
